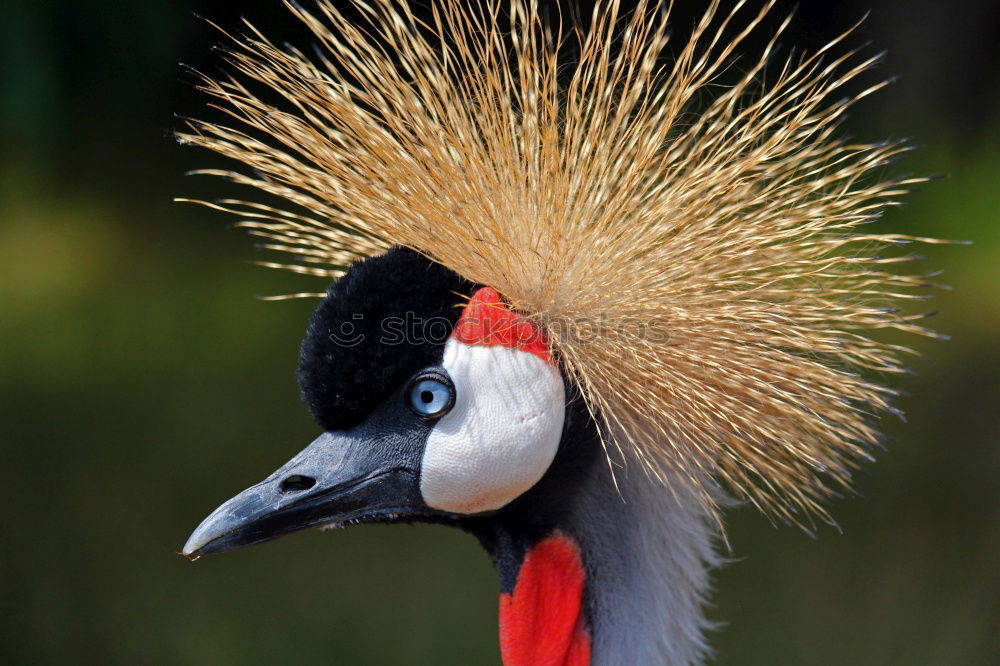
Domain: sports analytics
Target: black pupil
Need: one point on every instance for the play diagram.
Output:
(427, 397)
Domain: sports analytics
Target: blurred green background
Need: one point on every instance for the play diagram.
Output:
(142, 384)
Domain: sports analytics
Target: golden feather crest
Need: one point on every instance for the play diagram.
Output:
(695, 254)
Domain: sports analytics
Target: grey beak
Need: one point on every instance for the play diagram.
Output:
(340, 478)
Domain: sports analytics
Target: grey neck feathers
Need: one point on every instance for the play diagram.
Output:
(648, 554)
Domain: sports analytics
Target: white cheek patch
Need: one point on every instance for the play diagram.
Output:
(501, 435)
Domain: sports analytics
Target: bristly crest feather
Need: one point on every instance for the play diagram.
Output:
(695, 253)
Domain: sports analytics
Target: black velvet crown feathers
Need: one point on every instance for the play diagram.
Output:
(385, 319)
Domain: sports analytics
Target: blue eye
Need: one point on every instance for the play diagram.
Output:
(431, 396)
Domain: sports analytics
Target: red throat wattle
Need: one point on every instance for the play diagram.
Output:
(488, 322)
(542, 623)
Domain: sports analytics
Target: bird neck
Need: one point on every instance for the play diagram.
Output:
(617, 577)
(648, 553)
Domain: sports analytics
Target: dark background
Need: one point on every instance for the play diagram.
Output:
(141, 384)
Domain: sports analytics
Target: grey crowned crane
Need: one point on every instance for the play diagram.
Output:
(582, 296)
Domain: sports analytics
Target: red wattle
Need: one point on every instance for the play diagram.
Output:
(488, 322)
(542, 622)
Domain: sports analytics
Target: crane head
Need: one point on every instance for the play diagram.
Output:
(437, 402)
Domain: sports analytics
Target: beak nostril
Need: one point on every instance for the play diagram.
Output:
(297, 483)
